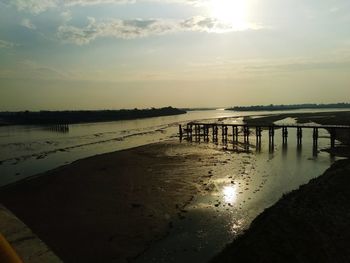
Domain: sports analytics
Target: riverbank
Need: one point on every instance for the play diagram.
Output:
(112, 207)
(307, 225)
(109, 208)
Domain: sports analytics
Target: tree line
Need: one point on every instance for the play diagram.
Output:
(83, 116)
(273, 107)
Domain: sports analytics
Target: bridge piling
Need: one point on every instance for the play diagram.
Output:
(206, 132)
(197, 130)
(271, 139)
(258, 131)
(271, 134)
(246, 134)
(284, 135)
(299, 135)
(224, 133)
(180, 132)
(233, 134)
(236, 133)
(215, 133)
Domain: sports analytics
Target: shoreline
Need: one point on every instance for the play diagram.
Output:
(309, 224)
(186, 171)
(118, 203)
(59, 168)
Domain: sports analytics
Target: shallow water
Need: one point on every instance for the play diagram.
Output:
(29, 150)
(242, 186)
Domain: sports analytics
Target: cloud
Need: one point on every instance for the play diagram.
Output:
(138, 28)
(28, 24)
(34, 6)
(205, 24)
(125, 29)
(6, 44)
(38, 6)
(99, 2)
(66, 16)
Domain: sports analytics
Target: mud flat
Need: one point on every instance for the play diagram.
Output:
(111, 207)
(310, 224)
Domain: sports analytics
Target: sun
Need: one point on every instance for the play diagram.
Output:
(231, 12)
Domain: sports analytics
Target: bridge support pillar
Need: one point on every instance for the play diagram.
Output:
(224, 133)
(284, 135)
(215, 133)
(233, 134)
(180, 132)
(299, 135)
(258, 131)
(271, 138)
(189, 132)
(246, 133)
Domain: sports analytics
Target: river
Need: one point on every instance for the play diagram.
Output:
(29, 150)
(241, 189)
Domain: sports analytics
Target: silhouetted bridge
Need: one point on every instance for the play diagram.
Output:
(196, 130)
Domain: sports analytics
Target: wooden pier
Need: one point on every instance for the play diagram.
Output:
(195, 131)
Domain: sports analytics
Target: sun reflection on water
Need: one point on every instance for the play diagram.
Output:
(230, 194)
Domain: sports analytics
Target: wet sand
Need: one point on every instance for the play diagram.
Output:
(109, 208)
(310, 224)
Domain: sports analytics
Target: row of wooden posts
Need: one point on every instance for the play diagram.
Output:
(62, 128)
(203, 130)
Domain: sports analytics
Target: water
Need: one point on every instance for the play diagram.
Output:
(29, 150)
(243, 185)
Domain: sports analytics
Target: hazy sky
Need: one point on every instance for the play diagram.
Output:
(98, 54)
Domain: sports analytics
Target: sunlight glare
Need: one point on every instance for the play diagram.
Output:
(231, 12)
(230, 194)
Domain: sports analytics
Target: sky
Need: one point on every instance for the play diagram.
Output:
(113, 54)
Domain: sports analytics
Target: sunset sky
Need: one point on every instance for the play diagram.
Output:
(111, 54)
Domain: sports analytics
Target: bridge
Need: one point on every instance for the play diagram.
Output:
(197, 130)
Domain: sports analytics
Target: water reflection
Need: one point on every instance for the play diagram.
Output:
(230, 194)
(299, 151)
(245, 184)
(284, 149)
